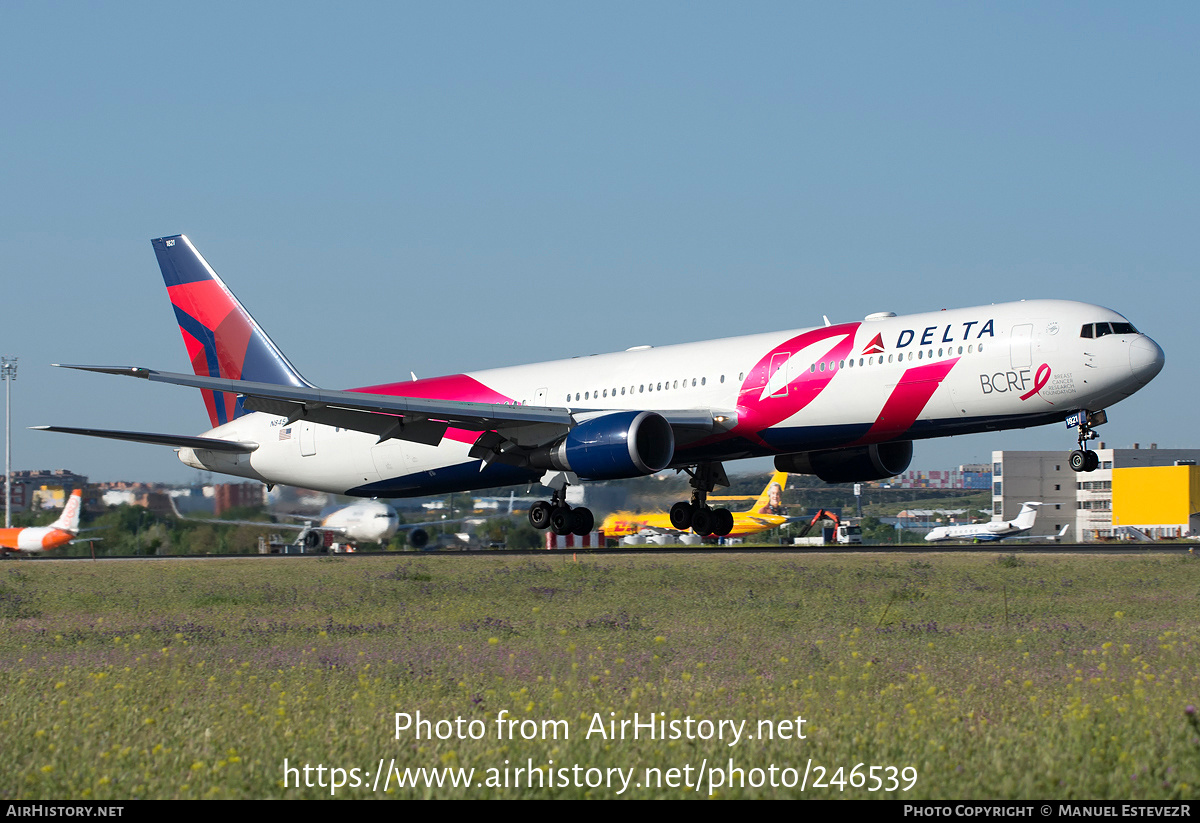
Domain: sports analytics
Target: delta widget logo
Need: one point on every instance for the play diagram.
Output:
(875, 346)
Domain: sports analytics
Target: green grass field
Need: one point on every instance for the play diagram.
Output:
(964, 677)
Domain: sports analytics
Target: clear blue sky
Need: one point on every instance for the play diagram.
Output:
(452, 186)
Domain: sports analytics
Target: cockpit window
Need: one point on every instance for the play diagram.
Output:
(1101, 329)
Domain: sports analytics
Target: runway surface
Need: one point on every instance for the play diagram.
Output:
(799, 551)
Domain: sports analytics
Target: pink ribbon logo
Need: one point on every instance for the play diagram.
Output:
(1039, 381)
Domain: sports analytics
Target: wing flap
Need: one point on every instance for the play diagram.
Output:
(412, 428)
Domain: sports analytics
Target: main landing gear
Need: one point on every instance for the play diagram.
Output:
(1082, 460)
(696, 513)
(557, 516)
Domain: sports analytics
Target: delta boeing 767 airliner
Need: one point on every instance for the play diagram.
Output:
(842, 401)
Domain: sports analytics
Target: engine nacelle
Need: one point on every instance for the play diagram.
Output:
(875, 462)
(613, 446)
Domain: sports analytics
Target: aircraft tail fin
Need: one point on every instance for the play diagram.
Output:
(68, 521)
(221, 337)
(764, 504)
(1024, 520)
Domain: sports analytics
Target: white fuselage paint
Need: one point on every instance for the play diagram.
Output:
(1017, 364)
(368, 521)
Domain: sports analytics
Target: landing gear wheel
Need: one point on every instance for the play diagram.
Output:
(1078, 460)
(681, 516)
(560, 520)
(1092, 462)
(539, 514)
(702, 521)
(722, 522)
(582, 521)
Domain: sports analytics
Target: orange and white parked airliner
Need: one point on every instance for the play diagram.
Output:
(43, 538)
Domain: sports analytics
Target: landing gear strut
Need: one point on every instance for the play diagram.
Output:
(696, 514)
(1082, 460)
(557, 515)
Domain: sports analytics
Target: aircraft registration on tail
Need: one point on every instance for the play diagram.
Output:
(842, 401)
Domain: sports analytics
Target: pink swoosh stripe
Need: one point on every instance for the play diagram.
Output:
(907, 401)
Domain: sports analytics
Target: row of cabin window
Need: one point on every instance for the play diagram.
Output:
(870, 361)
(644, 387)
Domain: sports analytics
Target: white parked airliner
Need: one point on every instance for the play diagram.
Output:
(841, 401)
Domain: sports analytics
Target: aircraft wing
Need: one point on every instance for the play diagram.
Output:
(314, 523)
(1059, 536)
(178, 440)
(407, 418)
(309, 523)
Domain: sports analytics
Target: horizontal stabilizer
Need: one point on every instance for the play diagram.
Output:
(179, 441)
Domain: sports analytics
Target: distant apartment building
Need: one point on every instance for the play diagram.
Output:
(47, 488)
(236, 495)
(176, 500)
(1083, 500)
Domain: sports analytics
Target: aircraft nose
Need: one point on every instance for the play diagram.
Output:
(1146, 359)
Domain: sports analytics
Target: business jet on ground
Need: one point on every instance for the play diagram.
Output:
(995, 530)
(43, 538)
(842, 401)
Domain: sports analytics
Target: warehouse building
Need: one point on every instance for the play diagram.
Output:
(1086, 500)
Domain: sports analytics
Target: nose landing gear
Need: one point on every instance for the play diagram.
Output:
(1082, 460)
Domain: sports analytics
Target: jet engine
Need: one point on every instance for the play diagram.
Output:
(875, 462)
(612, 446)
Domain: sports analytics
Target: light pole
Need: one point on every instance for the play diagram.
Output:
(8, 373)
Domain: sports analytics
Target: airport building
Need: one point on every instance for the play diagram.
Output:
(1087, 500)
(1158, 501)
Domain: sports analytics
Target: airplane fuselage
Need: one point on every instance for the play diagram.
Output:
(368, 521)
(883, 379)
(985, 532)
(34, 538)
(745, 524)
